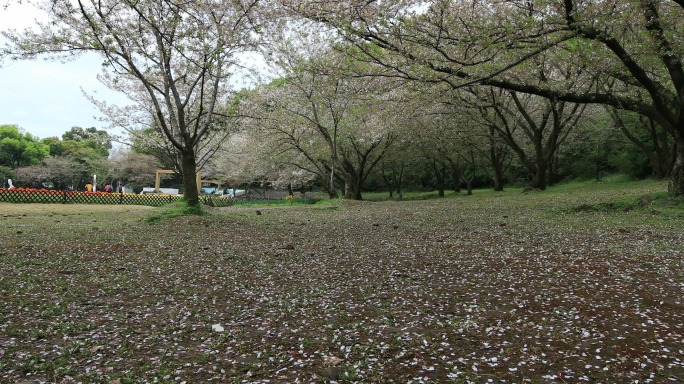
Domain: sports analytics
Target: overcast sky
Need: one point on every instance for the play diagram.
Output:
(44, 97)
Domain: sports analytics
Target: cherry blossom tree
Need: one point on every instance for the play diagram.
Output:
(256, 158)
(342, 125)
(173, 59)
(627, 54)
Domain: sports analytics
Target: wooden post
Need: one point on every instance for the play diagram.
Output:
(198, 178)
(157, 181)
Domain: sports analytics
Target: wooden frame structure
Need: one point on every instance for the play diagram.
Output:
(198, 178)
(157, 180)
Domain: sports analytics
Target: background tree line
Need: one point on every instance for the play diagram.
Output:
(69, 162)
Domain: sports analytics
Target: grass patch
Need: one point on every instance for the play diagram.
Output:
(407, 196)
(653, 202)
(285, 201)
(175, 209)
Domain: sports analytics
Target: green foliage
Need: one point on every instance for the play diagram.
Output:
(286, 201)
(18, 149)
(175, 209)
(73, 160)
(301, 200)
(78, 140)
(92, 136)
(405, 196)
(5, 173)
(651, 202)
(73, 147)
(631, 161)
(280, 82)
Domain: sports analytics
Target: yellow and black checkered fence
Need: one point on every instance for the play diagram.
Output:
(31, 195)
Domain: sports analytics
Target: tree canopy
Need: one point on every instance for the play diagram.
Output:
(625, 55)
(20, 149)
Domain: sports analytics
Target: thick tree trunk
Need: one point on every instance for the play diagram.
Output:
(357, 189)
(551, 179)
(498, 177)
(664, 159)
(539, 180)
(330, 186)
(456, 175)
(357, 195)
(355, 186)
(332, 192)
(676, 185)
(190, 193)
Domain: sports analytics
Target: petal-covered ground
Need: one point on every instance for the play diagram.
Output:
(495, 287)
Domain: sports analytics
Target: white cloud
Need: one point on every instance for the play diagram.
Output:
(20, 16)
(44, 97)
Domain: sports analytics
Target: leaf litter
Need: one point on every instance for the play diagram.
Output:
(414, 292)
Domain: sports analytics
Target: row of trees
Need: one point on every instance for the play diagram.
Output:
(71, 161)
(364, 133)
(623, 56)
(367, 89)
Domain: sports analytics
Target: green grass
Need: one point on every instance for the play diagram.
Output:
(617, 191)
(406, 196)
(175, 209)
(288, 201)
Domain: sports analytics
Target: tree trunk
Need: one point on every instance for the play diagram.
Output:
(398, 180)
(348, 189)
(539, 176)
(332, 193)
(356, 186)
(440, 173)
(552, 170)
(388, 183)
(457, 181)
(357, 195)
(497, 177)
(676, 185)
(664, 159)
(330, 186)
(497, 159)
(189, 173)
